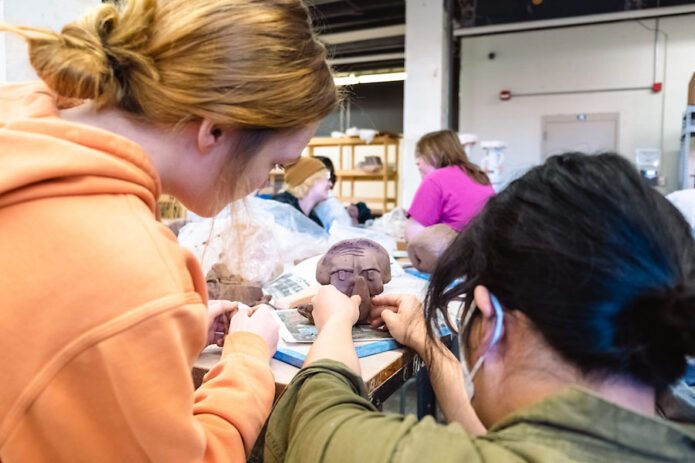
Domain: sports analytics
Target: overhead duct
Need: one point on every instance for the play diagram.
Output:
(575, 21)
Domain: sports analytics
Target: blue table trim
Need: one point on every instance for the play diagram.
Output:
(416, 273)
(296, 358)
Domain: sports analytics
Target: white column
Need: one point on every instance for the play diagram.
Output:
(14, 61)
(426, 87)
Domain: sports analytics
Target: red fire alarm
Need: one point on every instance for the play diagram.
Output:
(505, 95)
(657, 86)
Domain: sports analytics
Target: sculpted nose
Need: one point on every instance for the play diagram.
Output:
(362, 289)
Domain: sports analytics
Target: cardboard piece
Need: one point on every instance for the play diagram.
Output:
(302, 297)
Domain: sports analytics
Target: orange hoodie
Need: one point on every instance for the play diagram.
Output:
(102, 313)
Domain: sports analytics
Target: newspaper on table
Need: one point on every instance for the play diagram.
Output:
(295, 328)
(300, 277)
(286, 285)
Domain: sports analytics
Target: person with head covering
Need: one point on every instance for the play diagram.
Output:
(307, 183)
(332, 211)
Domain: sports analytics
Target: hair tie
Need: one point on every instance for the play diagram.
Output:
(104, 31)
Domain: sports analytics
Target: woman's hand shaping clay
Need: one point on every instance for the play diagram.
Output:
(330, 305)
(219, 315)
(260, 321)
(404, 318)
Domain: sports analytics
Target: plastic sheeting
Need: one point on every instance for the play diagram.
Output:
(257, 239)
(392, 223)
(332, 211)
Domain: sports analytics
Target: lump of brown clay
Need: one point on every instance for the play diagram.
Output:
(424, 250)
(306, 311)
(222, 284)
(356, 267)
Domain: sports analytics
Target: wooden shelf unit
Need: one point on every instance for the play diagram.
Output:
(353, 174)
(170, 208)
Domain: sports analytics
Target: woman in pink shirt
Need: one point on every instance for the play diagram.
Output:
(453, 189)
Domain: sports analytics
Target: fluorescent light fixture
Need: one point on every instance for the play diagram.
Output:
(389, 77)
(352, 79)
(347, 80)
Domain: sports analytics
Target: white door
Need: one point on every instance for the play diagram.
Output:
(586, 133)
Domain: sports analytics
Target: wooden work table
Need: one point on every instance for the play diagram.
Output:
(382, 373)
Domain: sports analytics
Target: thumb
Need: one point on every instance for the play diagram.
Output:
(388, 316)
(223, 305)
(356, 300)
(218, 307)
(229, 306)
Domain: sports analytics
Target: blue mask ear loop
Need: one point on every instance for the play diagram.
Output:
(498, 323)
(498, 316)
(469, 374)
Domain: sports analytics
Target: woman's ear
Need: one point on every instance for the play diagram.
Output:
(483, 301)
(210, 136)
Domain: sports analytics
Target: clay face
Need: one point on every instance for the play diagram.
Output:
(424, 250)
(223, 285)
(356, 267)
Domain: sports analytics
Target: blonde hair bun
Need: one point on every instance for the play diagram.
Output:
(93, 58)
(251, 63)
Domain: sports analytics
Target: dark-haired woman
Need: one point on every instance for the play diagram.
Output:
(453, 189)
(578, 289)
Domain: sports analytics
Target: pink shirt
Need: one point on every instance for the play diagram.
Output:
(449, 196)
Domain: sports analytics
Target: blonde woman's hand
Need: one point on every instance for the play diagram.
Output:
(259, 320)
(404, 318)
(334, 306)
(219, 315)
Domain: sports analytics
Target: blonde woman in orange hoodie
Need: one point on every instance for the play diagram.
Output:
(102, 313)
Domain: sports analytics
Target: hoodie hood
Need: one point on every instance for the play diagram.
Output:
(43, 156)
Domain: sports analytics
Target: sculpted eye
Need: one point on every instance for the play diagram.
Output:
(341, 275)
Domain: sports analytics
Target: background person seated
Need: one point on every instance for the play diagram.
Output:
(453, 189)
(331, 211)
(307, 183)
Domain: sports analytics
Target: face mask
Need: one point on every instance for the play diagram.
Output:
(468, 375)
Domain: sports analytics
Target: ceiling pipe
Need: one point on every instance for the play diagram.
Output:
(363, 34)
(575, 21)
(366, 58)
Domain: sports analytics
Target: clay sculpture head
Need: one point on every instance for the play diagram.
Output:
(424, 250)
(356, 267)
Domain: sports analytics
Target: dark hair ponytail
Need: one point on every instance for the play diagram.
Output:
(603, 265)
(669, 318)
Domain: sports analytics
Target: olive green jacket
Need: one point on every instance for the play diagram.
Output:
(325, 416)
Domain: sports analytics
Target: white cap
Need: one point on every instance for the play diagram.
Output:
(493, 144)
(467, 138)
